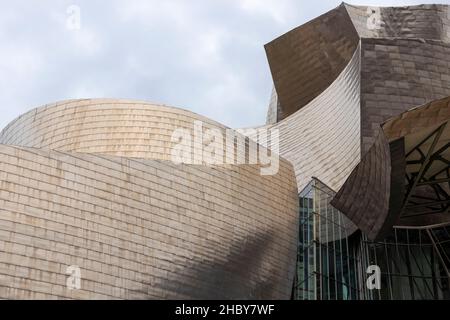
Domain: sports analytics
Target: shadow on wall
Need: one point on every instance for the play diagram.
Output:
(240, 277)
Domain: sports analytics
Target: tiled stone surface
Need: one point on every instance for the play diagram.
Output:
(137, 228)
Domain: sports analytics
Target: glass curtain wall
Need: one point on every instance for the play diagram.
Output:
(327, 263)
(414, 264)
(333, 256)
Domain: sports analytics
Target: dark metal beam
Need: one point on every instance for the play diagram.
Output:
(438, 252)
(426, 163)
(435, 181)
(428, 204)
(424, 213)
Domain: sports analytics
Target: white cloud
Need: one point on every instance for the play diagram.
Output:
(206, 49)
(85, 41)
(277, 10)
(206, 56)
(18, 62)
(154, 11)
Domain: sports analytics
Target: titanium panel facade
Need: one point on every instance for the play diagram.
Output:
(403, 179)
(91, 182)
(322, 139)
(427, 21)
(306, 61)
(403, 63)
(138, 228)
(397, 75)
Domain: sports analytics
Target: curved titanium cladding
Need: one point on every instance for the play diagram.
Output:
(365, 197)
(306, 61)
(404, 178)
(404, 62)
(426, 135)
(90, 182)
(137, 225)
(108, 126)
(323, 138)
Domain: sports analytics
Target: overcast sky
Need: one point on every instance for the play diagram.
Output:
(203, 55)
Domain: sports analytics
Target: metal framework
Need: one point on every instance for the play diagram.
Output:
(418, 255)
(427, 188)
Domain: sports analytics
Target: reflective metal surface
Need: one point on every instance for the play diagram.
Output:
(90, 184)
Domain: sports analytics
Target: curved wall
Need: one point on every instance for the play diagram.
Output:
(308, 59)
(322, 139)
(137, 228)
(109, 126)
(373, 193)
(405, 60)
(393, 185)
